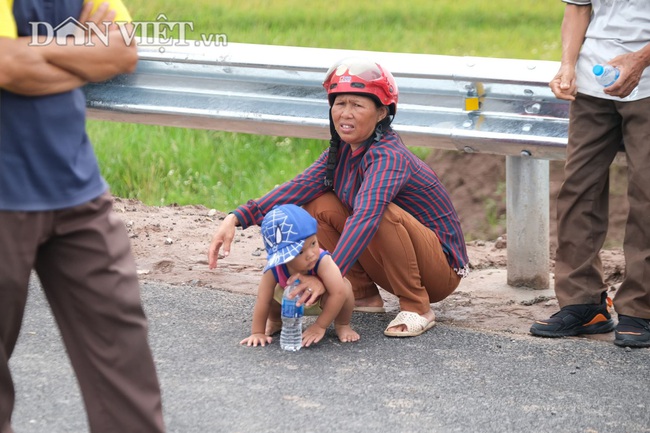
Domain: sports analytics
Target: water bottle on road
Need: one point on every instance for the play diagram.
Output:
(291, 335)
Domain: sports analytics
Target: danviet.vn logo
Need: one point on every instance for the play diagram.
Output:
(160, 32)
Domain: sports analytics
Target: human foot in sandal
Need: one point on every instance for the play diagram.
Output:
(409, 324)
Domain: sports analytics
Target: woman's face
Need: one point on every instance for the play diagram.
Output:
(355, 117)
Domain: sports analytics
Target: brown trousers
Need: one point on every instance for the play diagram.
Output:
(404, 257)
(82, 256)
(596, 129)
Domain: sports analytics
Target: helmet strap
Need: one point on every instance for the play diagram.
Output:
(335, 142)
(379, 131)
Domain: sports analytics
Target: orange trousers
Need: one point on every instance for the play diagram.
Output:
(404, 257)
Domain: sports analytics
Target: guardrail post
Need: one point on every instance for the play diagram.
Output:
(527, 219)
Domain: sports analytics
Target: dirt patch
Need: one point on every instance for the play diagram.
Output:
(170, 244)
(480, 198)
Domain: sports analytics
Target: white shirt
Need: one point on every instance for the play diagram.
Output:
(616, 27)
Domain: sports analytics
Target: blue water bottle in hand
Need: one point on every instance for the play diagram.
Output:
(291, 335)
(606, 75)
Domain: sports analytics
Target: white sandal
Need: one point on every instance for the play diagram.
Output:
(415, 324)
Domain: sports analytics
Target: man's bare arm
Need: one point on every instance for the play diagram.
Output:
(100, 58)
(574, 27)
(25, 71)
(95, 61)
(34, 69)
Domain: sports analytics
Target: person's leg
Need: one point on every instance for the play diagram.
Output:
(408, 261)
(89, 277)
(331, 216)
(20, 233)
(582, 219)
(582, 204)
(342, 321)
(633, 297)
(404, 257)
(274, 321)
(632, 300)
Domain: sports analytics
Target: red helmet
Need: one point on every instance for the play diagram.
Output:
(361, 76)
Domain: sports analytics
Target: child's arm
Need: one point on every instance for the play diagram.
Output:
(261, 311)
(335, 289)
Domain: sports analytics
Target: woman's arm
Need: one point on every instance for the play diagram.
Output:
(384, 175)
(302, 189)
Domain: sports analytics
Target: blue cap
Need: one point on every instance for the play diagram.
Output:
(284, 231)
(598, 69)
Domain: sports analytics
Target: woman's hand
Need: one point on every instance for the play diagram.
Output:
(308, 291)
(222, 238)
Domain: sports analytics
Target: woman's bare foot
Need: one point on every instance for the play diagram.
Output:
(346, 334)
(272, 327)
(371, 303)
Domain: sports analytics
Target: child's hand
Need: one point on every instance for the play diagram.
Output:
(256, 339)
(313, 334)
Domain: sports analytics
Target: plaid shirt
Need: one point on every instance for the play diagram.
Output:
(366, 181)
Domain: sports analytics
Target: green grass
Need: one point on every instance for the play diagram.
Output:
(162, 165)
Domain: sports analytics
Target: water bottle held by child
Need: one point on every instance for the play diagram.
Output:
(291, 334)
(606, 75)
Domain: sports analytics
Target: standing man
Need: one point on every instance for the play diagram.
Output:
(594, 32)
(56, 214)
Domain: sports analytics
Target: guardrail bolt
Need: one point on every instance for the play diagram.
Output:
(534, 108)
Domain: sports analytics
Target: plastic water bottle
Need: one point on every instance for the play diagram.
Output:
(291, 335)
(606, 75)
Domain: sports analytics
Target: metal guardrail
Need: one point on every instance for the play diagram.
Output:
(471, 104)
(275, 90)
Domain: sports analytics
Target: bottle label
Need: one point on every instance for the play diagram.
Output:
(289, 308)
(606, 75)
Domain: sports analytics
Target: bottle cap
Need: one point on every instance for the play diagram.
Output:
(598, 70)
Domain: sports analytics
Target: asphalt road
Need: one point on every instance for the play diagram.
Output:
(448, 380)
